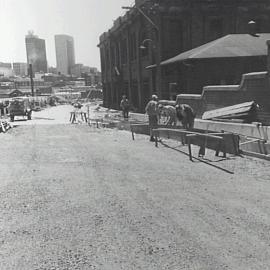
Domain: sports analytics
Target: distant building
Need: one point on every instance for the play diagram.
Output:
(91, 75)
(52, 70)
(76, 70)
(20, 69)
(65, 54)
(5, 65)
(7, 85)
(92, 78)
(24, 84)
(36, 52)
(79, 69)
(44, 91)
(6, 69)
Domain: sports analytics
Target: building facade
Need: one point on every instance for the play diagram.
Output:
(52, 70)
(36, 52)
(76, 70)
(6, 69)
(65, 53)
(25, 83)
(133, 43)
(20, 69)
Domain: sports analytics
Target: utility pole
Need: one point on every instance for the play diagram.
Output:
(30, 71)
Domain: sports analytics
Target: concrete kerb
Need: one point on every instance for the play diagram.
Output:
(249, 130)
(246, 130)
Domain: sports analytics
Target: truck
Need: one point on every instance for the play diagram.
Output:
(20, 107)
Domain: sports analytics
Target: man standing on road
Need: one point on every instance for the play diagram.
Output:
(153, 113)
(125, 106)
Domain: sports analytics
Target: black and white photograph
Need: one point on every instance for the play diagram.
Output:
(135, 135)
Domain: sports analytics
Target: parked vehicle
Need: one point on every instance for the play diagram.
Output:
(36, 107)
(20, 107)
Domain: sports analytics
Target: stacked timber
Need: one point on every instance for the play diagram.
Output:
(242, 113)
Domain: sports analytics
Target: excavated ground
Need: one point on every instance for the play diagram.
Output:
(77, 197)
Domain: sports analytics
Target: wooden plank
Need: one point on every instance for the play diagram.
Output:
(206, 136)
(3, 128)
(235, 115)
(140, 129)
(252, 141)
(220, 142)
(256, 155)
(230, 110)
(144, 128)
(179, 134)
(217, 144)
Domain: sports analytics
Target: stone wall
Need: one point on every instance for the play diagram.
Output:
(254, 87)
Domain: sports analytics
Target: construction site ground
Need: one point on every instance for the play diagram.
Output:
(81, 197)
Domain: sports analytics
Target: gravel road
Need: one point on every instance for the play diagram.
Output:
(76, 197)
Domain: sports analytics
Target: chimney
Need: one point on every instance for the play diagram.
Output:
(252, 28)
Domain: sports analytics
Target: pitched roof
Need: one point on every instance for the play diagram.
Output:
(230, 46)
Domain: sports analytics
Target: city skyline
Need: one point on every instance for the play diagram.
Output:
(82, 19)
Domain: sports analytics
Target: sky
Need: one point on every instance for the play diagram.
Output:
(85, 20)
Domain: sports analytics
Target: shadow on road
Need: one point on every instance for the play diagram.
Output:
(206, 161)
(43, 118)
(20, 120)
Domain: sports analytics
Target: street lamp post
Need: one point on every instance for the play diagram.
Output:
(154, 48)
(157, 47)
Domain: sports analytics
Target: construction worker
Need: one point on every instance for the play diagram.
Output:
(186, 115)
(169, 112)
(125, 106)
(152, 111)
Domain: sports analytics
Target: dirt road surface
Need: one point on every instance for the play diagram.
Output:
(77, 197)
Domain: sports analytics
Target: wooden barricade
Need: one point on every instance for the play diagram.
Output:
(144, 129)
(74, 116)
(220, 142)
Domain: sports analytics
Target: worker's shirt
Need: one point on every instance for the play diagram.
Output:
(124, 104)
(152, 108)
(169, 111)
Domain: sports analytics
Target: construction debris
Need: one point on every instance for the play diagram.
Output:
(244, 112)
(4, 126)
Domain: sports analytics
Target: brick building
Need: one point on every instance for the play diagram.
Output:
(182, 25)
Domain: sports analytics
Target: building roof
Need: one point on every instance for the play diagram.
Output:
(230, 46)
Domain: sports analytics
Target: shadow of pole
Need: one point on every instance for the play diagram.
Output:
(198, 159)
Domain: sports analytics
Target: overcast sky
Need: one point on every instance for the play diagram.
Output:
(85, 20)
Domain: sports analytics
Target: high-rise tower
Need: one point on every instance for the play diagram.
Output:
(36, 52)
(65, 56)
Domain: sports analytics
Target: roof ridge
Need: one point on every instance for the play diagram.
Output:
(213, 43)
